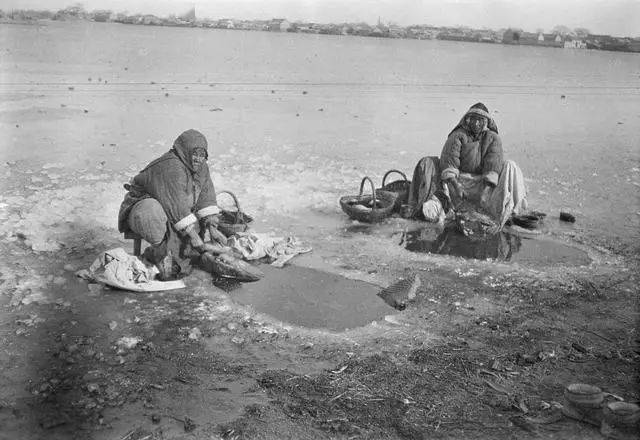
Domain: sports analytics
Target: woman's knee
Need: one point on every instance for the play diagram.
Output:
(510, 164)
(148, 219)
(429, 161)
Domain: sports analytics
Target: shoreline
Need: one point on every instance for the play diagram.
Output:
(629, 45)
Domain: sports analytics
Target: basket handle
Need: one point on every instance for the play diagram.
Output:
(373, 191)
(235, 201)
(393, 171)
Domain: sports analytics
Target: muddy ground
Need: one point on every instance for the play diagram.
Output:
(482, 352)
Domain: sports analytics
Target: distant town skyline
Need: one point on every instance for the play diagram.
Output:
(615, 17)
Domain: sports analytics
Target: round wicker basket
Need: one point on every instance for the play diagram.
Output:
(369, 208)
(232, 222)
(622, 413)
(584, 395)
(400, 187)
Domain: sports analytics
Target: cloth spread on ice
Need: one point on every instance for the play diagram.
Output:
(118, 269)
(254, 246)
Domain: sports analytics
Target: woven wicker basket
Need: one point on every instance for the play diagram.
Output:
(400, 187)
(584, 395)
(369, 208)
(232, 222)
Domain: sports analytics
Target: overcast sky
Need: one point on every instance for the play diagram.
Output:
(616, 17)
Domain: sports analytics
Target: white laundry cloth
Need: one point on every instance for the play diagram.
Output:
(118, 269)
(255, 245)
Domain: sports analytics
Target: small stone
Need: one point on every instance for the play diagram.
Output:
(113, 325)
(59, 281)
(189, 425)
(579, 347)
(195, 334)
(232, 326)
(93, 387)
(567, 217)
(128, 342)
(94, 289)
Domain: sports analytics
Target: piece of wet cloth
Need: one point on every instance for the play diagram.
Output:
(254, 246)
(116, 268)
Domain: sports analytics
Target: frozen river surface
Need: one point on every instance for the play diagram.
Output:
(295, 121)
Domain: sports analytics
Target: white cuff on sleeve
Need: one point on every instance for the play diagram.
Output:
(491, 177)
(450, 172)
(184, 222)
(208, 210)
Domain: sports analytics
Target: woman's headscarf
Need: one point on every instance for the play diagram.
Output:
(481, 110)
(187, 143)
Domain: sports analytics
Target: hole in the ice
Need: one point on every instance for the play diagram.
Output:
(312, 298)
(502, 246)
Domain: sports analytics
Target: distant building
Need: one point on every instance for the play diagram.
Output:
(278, 25)
(102, 16)
(226, 23)
(150, 20)
(530, 39)
(378, 31)
(513, 36)
(574, 43)
(396, 31)
(487, 36)
(423, 32)
(553, 40)
(453, 34)
(634, 45)
(362, 29)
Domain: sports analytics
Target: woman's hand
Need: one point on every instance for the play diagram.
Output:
(460, 192)
(484, 197)
(217, 236)
(216, 249)
(211, 222)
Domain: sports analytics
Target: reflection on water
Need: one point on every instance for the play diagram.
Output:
(502, 246)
